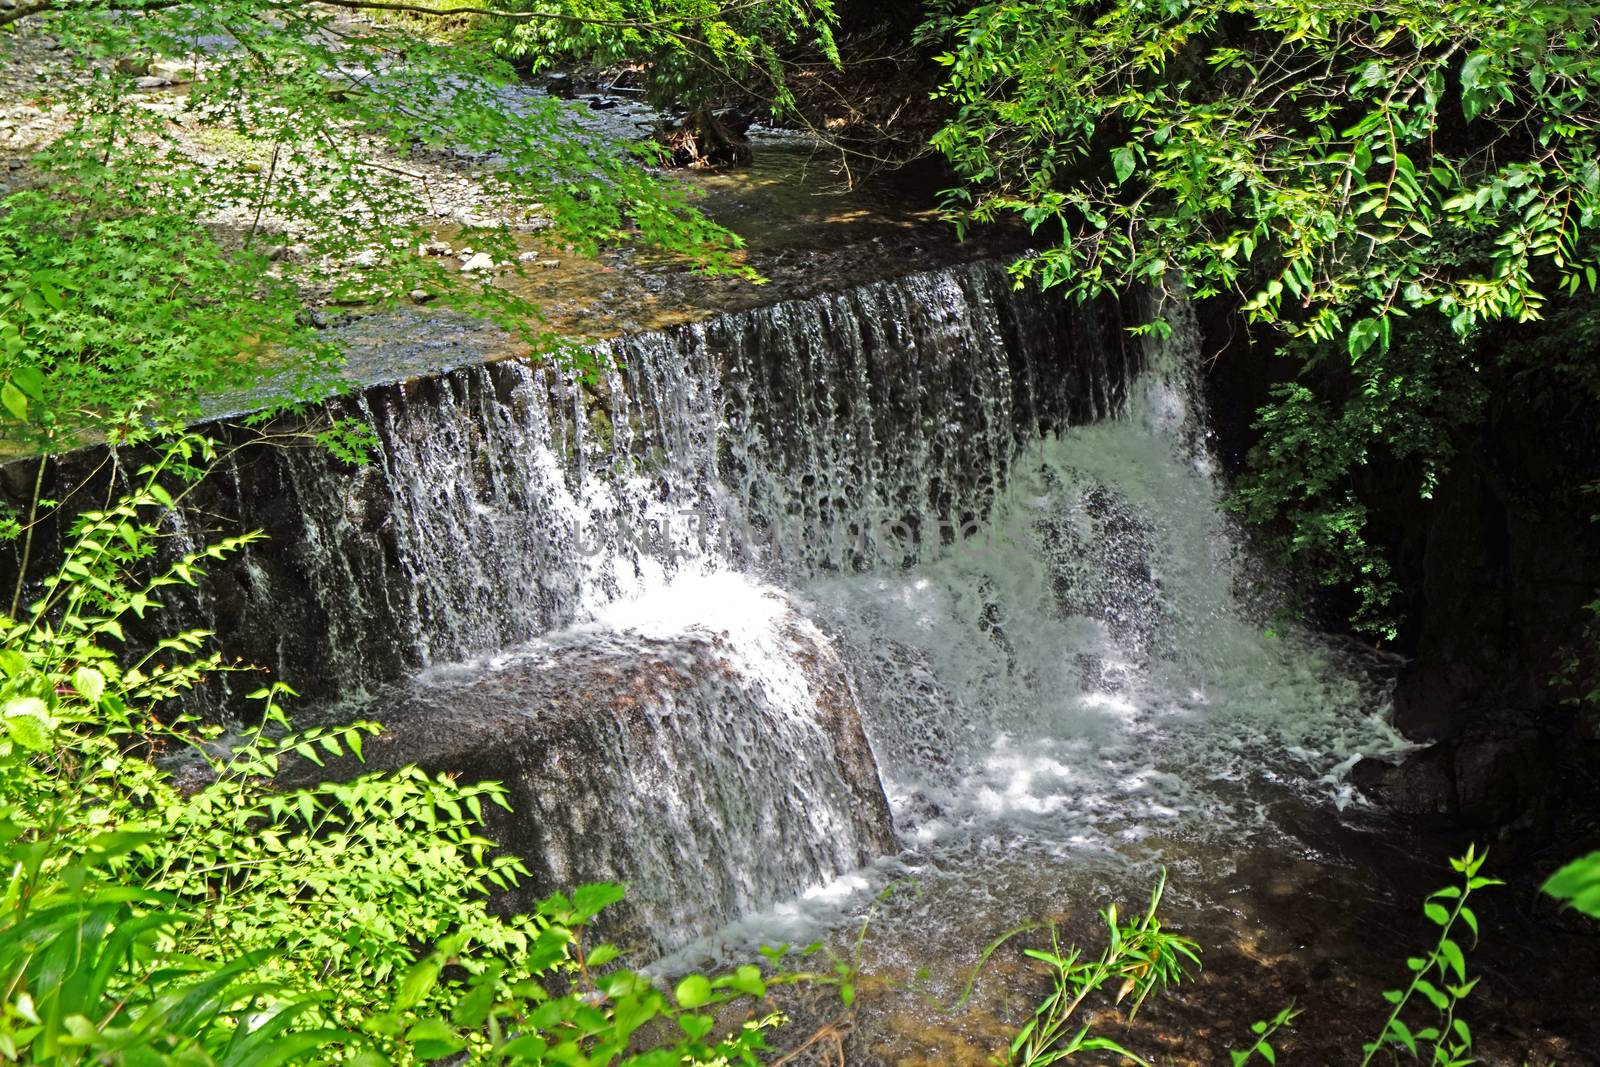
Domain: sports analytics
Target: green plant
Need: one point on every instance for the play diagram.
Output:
(1439, 978)
(213, 916)
(1374, 187)
(1143, 958)
(694, 53)
(1140, 958)
(127, 278)
(1264, 1031)
(1578, 884)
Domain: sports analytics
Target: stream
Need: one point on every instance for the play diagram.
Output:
(889, 616)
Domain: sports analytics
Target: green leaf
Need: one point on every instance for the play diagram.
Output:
(1363, 334)
(1473, 99)
(1454, 957)
(434, 1039)
(29, 722)
(1578, 884)
(419, 982)
(1123, 162)
(693, 991)
(15, 402)
(90, 684)
(602, 955)
(589, 900)
(30, 380)
(1399, 1031)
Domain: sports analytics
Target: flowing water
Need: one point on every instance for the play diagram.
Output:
(926, 584)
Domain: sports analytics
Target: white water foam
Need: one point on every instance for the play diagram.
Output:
(1094, 671)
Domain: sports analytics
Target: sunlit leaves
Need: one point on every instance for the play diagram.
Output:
(1439, 979)
(1140, 958)
(1578, 884)
(136, 276)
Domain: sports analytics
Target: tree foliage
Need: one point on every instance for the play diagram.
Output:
(1346, 172)
(705, 52)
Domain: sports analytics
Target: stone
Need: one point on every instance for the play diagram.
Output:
(1422, 784)
(176, 71)
(436, 248)
(480, 261)
(651, 761)
(151, 81)
(1500, 779)
(422, 296)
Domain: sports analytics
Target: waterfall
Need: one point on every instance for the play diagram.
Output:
(583, 582)
(509, 500)
(1094, 660)
(743, 605)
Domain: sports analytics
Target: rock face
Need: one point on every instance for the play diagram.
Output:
(731, 765)
(1497, 570)
(509, 500)
(512, 505)
(1495, 778)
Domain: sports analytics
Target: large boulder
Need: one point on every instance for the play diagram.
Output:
(713, 773)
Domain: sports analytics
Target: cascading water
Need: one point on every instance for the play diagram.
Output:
(941, 507)
(1085, 680)
(1090, 660)
(652, 512)
(510, 500)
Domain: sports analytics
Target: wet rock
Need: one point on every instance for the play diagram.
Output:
(1422, 784)
(1500, 779)
(478, 261)
(659, 762)
(1483, 779)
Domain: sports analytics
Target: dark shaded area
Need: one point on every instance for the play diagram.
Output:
(1496, 569)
